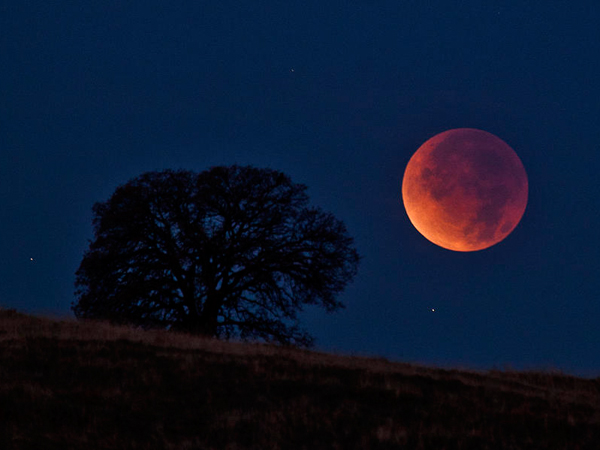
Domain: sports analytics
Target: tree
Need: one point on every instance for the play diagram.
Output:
(228, 252)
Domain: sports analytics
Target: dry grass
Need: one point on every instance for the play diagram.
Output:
(74, 385)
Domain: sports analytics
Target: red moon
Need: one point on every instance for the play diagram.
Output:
(465, 189)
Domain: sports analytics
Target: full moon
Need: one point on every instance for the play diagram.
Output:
(465, 189)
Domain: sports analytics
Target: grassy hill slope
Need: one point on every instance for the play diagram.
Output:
(70, 385)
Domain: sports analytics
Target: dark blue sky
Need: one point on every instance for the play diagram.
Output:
(339, 95)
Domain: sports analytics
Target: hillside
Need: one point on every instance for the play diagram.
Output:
(72, 385)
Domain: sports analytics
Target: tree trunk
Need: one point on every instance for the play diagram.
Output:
(208, 320)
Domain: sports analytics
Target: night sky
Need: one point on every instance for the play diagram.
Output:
(338, 95)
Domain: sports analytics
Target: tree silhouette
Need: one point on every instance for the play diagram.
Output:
(228, 252)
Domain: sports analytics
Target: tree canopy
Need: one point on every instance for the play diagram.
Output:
(228, 252)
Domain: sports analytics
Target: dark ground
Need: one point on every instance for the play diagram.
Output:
(69, 385)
